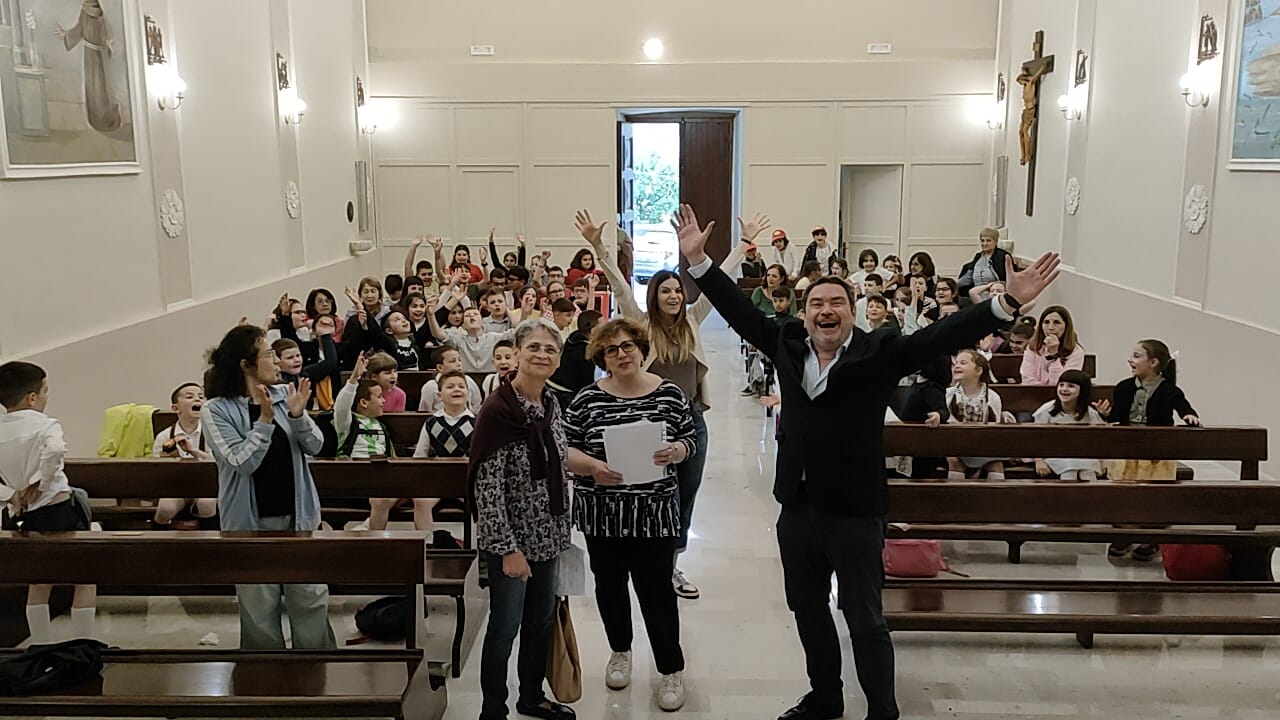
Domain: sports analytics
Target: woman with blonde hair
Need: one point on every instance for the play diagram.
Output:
(676, 353)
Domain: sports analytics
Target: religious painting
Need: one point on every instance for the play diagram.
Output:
(69, 95)
(1255, 141)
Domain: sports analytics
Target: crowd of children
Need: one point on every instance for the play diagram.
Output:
(458, 318)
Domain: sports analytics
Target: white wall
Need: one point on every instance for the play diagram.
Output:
(83, 279)
(1138, 148)
(521, 139)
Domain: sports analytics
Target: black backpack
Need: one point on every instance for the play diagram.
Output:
(48, 668)
(385, 619)
(324, 421)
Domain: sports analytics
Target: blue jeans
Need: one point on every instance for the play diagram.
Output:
(526, 607)
(689, 475)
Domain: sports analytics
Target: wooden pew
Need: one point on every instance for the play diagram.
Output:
(1246, 445)
(1244, 516)
(335, 479)
(1017, 398)
(1007, 367)
(202, 683)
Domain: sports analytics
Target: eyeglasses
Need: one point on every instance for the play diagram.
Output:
(626, 346)
(538, 349)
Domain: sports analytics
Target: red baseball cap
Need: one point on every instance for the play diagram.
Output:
(819, 229)
(779, 234)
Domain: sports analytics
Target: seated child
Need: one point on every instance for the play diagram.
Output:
(562, 314)
(446, 434)
(356, 410)
(781, 298)
(32, 450)
(384, 370)
(321, 373)
(447, 359)
(504, 361)
(184, 440)
(971, 401)
(1019, 336)
(576, 370)
(1154, 378)
(1070, 407)
(475, 346)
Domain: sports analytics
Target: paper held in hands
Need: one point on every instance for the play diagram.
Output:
(629, 450)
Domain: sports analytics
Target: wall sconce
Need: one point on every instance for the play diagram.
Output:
(985, 110)
(377, 115)
(162, 79)
(1072, 103)
(995, 118)
(292, 107)
(1195, 88)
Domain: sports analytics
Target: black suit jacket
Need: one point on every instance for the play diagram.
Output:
(831, 447)
(1161, 406)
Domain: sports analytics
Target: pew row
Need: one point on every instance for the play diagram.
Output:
(335, 479)
(1243, 516)
(1007, 367)
(206, 683)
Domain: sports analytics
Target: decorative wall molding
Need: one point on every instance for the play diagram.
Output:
(1195, 209)
(292, 200)
(1073, 195)
(173, 215)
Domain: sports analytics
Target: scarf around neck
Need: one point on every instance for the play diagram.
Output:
(502, 420)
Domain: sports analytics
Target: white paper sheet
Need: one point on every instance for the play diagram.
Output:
(629, 450)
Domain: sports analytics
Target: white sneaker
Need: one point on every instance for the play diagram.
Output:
(617, 676)
(683, 587)
(671, 693)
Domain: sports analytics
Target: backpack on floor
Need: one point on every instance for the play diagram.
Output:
(1195, 562)
(385, 619)
(48, 668)
(915, 559)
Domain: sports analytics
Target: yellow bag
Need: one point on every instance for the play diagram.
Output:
(564, 667)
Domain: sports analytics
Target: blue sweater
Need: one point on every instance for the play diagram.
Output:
(238, 448)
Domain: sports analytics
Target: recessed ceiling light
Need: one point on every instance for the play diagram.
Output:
(653, 48)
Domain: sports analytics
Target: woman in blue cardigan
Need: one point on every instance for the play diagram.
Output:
(262, 438)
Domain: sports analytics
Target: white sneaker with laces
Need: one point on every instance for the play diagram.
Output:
(617, 676)
(671, 693)
(683, 587)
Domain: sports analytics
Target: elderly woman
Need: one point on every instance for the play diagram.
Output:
(987, 267)
(632, 524)
(520, 479)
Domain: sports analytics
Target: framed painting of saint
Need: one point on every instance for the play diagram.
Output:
(70, 96)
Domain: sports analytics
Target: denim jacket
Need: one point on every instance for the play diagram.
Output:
(239, 446)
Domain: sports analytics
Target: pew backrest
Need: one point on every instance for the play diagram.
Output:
(1007, 367)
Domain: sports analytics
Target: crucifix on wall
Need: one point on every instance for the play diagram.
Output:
(1033, 71)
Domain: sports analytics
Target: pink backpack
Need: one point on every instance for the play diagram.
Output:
(915, 559)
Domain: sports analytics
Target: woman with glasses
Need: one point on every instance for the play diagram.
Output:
(678, 355)
(631, 524)
(519, 473)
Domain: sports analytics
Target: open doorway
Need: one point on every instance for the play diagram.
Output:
(655, 187)
(666, 158)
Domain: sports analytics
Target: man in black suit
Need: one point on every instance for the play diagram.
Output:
(836, 381)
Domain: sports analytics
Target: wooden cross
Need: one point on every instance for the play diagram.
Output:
(1033, 71)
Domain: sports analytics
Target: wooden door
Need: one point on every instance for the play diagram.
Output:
(706, 182)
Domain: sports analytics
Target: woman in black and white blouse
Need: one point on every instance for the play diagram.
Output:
(631, 529)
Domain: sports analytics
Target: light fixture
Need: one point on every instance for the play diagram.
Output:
(995, 116)
(292, 107)
(1195, 88)
(162, 79)
(1072, 103)
(653, 48)
(377, 114)
(984, 110)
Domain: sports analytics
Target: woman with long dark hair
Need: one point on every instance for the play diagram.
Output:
(582, 265)
(262, 438)
(676, 354)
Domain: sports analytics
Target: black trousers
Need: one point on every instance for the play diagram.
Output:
(813, 546)
(647, 562)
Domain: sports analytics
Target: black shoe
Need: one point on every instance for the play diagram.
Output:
(1119, 550)
(1145, 553)
(547, 710)
(807, 709)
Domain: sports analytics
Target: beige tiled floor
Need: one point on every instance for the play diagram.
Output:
(743, 657)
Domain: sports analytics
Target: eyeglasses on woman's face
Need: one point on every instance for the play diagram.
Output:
(626, 347)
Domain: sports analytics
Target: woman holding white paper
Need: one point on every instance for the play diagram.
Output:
(631, 524)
